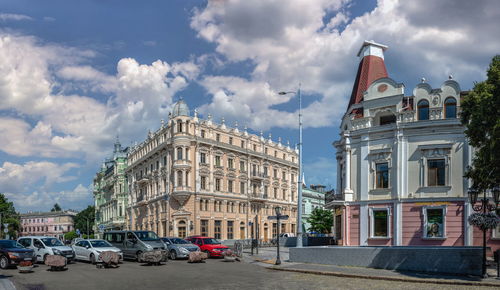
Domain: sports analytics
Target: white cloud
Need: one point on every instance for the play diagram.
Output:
(303, 41)
(20, 177)
(38, 80)
(78, 198)
(14, 17)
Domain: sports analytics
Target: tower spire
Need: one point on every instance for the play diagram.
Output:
(371, 68)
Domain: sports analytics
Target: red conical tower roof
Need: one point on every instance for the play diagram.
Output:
(371, 68)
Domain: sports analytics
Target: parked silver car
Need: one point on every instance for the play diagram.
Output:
(179, 248)
(90, 250)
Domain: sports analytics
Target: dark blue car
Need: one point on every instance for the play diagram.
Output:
(11, 253)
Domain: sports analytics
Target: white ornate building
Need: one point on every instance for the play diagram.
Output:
(401, 160)
(193, 176)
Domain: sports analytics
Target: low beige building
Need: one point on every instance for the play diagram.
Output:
(195, 177)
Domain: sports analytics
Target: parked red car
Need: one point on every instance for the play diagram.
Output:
(211, 246)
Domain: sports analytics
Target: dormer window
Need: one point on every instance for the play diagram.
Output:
(450, 108)
(423, 110)
(388, 119)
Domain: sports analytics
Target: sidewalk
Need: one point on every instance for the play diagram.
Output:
(267, 258)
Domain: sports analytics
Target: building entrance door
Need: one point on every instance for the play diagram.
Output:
(266, 234)
(242, 232)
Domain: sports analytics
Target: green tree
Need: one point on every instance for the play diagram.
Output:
(56, 207)
(8, 216)
(82, 217)
(70, 235)
(321, 221)
(481, 117)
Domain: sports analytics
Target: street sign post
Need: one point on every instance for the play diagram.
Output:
(278, 217)
(77, 232)
(101, 228)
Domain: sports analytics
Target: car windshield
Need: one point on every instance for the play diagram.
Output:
(52, 242)
(100, 244)
(211, 241)
(8, 244)
(146, 236)
(179, 241)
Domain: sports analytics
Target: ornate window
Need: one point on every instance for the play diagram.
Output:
(202, 133)
(217, 229)
(204, 227)
(387, 119)
(179, 178)
(382, 175)
(380, 169)
(230, 186)
(217, 161)
(242, 187)
(217, 184)
(423, 110)
(203, 158)
(436, 172)
(179, 126)
(434, 222)
(203, 182)
(380, 222)
(179, 153)
(230, 163)
(217, 137)
(230, 230)
(231, 140)
(434, 165)
(450, 108)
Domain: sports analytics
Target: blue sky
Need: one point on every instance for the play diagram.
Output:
(73, 74)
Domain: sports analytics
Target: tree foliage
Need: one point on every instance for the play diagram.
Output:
(56, 207)
(321, 221)
(481, 117)
(70, 235)
(81, 220)
(9, 216)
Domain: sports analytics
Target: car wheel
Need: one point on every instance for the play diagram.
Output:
(173, 255)
(138, 254)
(92, 259)
(4, 262)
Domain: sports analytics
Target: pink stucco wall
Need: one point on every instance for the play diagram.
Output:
(353, 222)
(413, 225)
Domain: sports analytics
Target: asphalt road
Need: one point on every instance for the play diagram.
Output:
(214, 274)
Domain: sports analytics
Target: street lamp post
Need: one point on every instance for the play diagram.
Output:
(484, 207)
(300, 181)
(278, 217)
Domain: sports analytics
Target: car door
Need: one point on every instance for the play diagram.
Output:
(39, 249)
(130, 245)
(86, 250)
(78, 247)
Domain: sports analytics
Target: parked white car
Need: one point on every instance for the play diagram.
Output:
(44, 246)
(91, 249)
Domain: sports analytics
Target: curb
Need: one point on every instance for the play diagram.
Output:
(412, 280)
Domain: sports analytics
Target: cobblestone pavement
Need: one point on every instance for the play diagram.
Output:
(215, 274)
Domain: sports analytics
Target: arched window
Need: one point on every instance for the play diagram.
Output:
(450, 108)
(423, 110)
(179, 126)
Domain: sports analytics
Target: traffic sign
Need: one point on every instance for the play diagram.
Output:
(101, 228)
(6, 230)
(77, 231)
(5, 225)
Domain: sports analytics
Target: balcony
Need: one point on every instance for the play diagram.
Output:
(259, 197)
(181, 193)
(257, 175)
(181, 164)
(142, 179)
